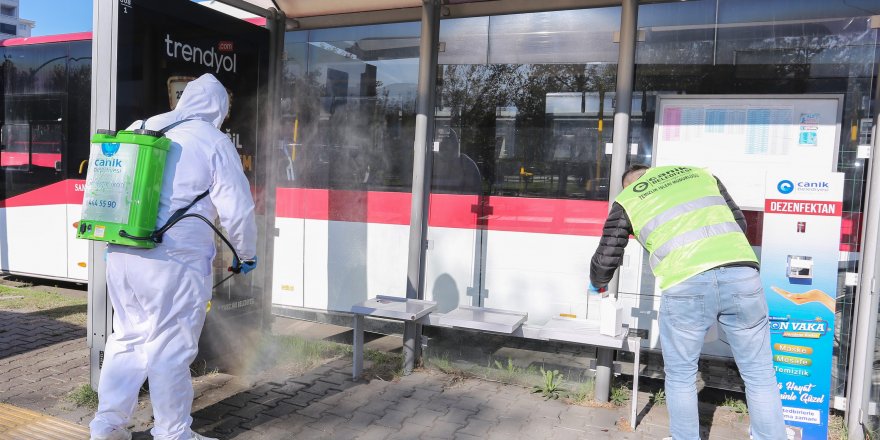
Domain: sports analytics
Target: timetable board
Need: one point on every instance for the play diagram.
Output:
(740, 138)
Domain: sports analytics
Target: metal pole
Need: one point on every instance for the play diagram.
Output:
(866, 301)
(267, 152)
(422, 166)
(635, 392)
(357, 344)
(103, 115)
(625, 72)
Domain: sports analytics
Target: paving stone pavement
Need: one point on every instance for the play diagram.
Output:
(426, 405)
(41, 361)
(325, 403)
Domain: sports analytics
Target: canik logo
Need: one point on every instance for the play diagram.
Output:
(112, 163)
(641, 186)
(818, 186)
(785, 186)
(109, 148)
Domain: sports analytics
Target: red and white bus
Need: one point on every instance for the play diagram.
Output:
(45, 94)
(499, 242)
(44, 148)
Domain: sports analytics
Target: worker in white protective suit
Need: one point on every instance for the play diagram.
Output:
(160, 295)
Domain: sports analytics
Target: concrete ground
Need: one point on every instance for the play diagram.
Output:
(43, 360)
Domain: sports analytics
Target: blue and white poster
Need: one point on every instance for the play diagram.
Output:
(799, 260)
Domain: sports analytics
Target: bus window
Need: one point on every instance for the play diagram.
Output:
(76, 134)
(46, 140)
(33, 133)
(15, 147)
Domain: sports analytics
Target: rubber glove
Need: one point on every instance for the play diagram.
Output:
(243, 266)
(593, 290)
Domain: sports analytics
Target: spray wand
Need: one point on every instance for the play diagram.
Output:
(157, 238)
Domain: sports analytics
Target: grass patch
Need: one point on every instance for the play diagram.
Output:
(584, 392)
(84, 396)
(578, 389)
(441, 363)
(659, 397)
(69, 309)
(551, 386)
(386, 366)
(736, 405)
(619, 395)
(509, 371)
(837, 429)
(306, 352)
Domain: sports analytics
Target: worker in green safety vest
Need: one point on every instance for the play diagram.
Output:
(702, 261)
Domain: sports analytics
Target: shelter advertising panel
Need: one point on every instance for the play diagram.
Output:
(799, 265)
(162, 46)
(741, 138)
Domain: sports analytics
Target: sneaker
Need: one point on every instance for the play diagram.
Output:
(197, 436)
(116, 434)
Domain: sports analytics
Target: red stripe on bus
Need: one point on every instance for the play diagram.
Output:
(9, 159)
(66, 192)
(518, 214)
(547, 216)
(60, 38)
(550, 216)
(352, 206)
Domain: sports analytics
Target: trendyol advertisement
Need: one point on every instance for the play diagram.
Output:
(162, 46)
(799, 258)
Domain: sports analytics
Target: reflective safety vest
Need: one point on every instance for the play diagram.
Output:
(679, 215)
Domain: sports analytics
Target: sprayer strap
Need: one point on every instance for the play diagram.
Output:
(165, 130)
(169, 127)
(157, 236)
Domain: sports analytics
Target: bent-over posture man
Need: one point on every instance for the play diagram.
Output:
(704, 265)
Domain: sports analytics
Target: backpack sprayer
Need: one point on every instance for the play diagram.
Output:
(124, 181)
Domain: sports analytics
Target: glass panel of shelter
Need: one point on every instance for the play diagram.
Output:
(348, 120)
(530, 98)
(756, 47)
(524, 109)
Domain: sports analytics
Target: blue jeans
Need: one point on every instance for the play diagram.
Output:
(733, 296)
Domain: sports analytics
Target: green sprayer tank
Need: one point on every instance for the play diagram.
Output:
(122, 186)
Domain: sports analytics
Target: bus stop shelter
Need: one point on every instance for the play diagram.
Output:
(283, 16)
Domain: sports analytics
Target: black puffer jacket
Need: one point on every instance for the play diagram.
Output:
(615, 236)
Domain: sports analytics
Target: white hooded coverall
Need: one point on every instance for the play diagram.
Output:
(160, 295)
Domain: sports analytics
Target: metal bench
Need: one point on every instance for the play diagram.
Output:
(494, 321)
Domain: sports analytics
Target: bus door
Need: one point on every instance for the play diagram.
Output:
(34, 215)
(160, 46)
(76, 152)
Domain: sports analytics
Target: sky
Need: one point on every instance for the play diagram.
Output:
(57, 16)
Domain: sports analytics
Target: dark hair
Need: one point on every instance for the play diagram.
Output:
(632, 169)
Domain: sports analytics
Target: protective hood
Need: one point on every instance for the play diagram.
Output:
(205, 99)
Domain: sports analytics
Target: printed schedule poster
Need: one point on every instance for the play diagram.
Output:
(741, 138)
(799, 258)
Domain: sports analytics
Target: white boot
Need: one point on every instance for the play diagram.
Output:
(197, 436)
(117, 434)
